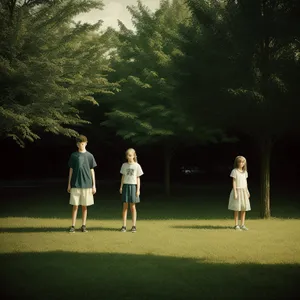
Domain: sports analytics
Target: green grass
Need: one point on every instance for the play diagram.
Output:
(184, 249)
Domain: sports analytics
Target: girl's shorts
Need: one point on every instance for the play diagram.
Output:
(82, 197)
(129, 194)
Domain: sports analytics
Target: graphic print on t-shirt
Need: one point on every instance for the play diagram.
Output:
(130, 172)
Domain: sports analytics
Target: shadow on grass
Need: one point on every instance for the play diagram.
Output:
(51, 229)
(205, 227)
(63, 275)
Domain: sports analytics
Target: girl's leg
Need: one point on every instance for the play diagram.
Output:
(133, 213)
(74, 214)
(243, 216)
(236, 218)
(124, 213)
(84, 215)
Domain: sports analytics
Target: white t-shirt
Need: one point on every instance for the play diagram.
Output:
(131, 172)
(241, 178)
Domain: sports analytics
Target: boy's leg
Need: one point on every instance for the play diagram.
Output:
(133, 213)
(74, 200)
(74, 214)
(84, 215)
(124, 213)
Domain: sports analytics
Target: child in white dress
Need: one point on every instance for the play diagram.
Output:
(239, 196)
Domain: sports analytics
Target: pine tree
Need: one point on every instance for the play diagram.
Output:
(48, 64)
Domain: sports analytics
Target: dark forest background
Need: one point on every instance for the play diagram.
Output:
(195, 84)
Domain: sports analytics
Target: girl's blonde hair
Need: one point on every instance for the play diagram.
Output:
(237, 160)
(134, 154)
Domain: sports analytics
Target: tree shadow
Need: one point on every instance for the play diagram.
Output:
(63, 275)
(204, 227)
(51, 229)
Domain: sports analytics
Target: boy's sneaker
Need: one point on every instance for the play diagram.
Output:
(72, 229)
(123, 229)
(237, 227)
(83, 228)
(243, 227)
(133, 229)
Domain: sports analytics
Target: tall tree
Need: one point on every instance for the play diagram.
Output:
(145, 110)
(242, 61)
(48, 64)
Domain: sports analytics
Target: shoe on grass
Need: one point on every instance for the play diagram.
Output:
(133, 229)
(237, 227)
(72, 229)
(243, 227)
(123, 229)
(83, 228)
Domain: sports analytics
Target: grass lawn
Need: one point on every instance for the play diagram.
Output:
(185, 248)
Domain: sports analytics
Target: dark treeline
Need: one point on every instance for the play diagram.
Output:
(48, 157)
(193, 85)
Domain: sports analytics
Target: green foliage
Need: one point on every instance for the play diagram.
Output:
(239, 71)
(145, 110)
(48, 64)
(240, 64)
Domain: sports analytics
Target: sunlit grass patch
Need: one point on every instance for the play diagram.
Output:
(180, 251)
(267, 241)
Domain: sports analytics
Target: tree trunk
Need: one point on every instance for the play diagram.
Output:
(266, 148)
(167, 174)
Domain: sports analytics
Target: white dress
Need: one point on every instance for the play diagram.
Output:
(242, 202)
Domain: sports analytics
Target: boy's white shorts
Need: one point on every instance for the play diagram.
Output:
(83, 197)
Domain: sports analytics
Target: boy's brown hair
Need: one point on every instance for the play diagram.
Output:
(81, 139)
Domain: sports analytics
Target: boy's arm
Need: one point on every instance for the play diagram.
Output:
(93, 180)
(69, 180)
(138, 186)
(122, 182)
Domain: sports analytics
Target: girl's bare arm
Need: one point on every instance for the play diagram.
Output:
(138, 186)
(121, 186)
(234, 187)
